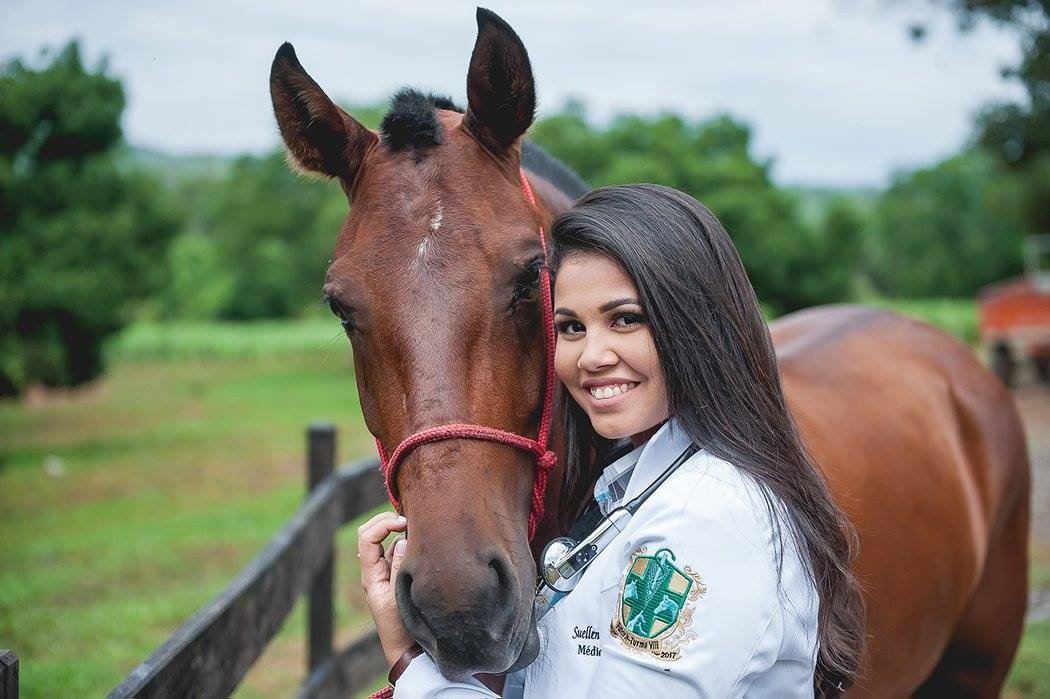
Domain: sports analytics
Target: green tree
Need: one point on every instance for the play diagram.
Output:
(711, 160)
(1018, 133)
(838, 248)
(80, 241)
(257, 240)
(946, 230)
(257, 245)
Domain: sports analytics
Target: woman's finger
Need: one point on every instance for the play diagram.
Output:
(370, 535)
(389, 555)
(377, 520)
(398, 556)
(375, 568)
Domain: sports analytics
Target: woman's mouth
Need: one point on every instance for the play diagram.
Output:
(610, 395)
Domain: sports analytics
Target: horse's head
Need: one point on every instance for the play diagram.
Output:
(434, 277)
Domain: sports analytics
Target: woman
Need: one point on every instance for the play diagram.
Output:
(733, 578)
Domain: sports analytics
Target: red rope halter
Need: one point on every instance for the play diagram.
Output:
(545, 459)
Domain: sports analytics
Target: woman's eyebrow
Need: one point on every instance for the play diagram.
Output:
(617, 302)
(565, 312)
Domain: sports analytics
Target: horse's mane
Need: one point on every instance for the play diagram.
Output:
(553, 170)
(411, 123)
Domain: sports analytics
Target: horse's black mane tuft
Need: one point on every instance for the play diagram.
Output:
(442, 102)
(411, 121)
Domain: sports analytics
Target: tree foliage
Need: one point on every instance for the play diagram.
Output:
(946, 230)
(257, 246)
(1018, 133)
(257, 240)
(712, 161)
(80, 240)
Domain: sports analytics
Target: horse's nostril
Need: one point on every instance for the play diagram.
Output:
(403, 594)
(504, 578)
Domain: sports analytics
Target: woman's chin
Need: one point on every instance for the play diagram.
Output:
(611, 429)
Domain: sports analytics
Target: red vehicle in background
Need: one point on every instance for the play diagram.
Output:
(1014, 315)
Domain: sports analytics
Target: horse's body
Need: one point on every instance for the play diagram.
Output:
(924, 452)
(921, 446)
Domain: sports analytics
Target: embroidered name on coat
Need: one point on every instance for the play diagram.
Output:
(656, 605)
(587, 634)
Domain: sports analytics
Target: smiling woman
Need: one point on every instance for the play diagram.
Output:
(660, 334)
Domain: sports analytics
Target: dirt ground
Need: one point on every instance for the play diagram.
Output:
(1033, 400)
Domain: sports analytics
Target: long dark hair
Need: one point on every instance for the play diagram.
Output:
(722, 382)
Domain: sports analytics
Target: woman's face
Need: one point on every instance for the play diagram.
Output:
(605, 353)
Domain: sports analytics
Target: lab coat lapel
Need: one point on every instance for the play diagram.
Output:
(657, 454)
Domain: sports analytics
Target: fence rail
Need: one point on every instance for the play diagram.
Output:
(211, 652)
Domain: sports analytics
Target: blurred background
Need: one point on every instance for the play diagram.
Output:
(162, 341)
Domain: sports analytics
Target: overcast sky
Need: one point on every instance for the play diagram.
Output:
(835, 90)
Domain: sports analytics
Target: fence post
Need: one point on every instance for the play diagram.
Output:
(320, 464)
(8, 675)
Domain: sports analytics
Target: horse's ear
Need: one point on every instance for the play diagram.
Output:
(321, 137)
(501, 95)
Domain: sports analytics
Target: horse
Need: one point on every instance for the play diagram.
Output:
(434, 278)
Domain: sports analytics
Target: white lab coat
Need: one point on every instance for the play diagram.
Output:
(744, 636)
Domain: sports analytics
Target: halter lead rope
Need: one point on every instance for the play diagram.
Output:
(545, 458)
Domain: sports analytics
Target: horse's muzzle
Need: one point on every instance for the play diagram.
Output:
(469, 614)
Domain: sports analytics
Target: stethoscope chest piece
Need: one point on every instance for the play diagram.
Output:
(553, 554)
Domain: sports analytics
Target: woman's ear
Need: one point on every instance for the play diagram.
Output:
(501, 94)
(321, 138)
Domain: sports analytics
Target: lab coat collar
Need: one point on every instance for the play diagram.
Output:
(651, 458)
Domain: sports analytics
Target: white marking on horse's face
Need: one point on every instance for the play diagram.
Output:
(421, 253)
(424, 245)
(435, 220)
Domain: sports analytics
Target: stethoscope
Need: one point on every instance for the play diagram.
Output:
(565, 558)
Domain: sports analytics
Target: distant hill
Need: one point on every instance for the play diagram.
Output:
(814, 201)
(173, 168)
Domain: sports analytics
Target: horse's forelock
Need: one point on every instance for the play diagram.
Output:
(411, 122)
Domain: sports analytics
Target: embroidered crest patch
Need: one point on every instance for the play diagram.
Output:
(657, 600)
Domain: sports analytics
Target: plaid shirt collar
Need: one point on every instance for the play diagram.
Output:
(610, 487)
(633, 472)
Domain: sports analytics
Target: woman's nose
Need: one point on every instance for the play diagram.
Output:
(596, 354)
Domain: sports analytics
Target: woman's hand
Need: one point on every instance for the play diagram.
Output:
(378, 573)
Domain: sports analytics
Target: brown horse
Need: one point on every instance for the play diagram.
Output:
(434, 279)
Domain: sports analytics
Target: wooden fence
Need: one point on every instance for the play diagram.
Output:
(8, 674)
(209, 655)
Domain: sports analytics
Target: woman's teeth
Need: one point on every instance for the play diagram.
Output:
(611, 390)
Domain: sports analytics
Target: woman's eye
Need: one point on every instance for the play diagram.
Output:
(569, 327)
(627, 320)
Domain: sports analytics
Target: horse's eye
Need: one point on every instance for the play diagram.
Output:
(526, 284)
(344, 314)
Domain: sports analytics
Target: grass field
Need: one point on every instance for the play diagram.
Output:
(1030, 676)
(127, 504)
(193, 340)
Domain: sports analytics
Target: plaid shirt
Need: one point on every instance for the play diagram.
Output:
(610, 487)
